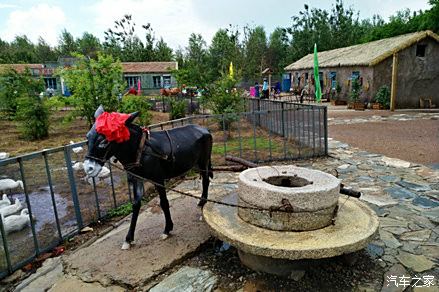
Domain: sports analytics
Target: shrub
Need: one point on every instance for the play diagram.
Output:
(133, 103)
(93, 83)
(33, 116)
(13, 86)
(356, 90)
(223, 98)
(177, 109)
(383, 96)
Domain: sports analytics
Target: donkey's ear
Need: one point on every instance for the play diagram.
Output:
(99, 111)
(132, 117)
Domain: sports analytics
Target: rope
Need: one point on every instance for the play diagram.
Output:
(143, 179)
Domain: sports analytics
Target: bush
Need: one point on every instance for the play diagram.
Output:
(383, 96)
(14, 85)
(177, 109)
(134, 103)
(356, 90)
(223, 98)
(33, 116)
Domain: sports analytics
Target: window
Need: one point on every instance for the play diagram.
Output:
(50, 83)
(355, 75)
(157, 81)
(420, 50)
(132, 81)
(306, 79)
(333, 78)
(167, 81)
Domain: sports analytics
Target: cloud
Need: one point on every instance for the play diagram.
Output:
(39, 20)
(174, 20)
(4, 5)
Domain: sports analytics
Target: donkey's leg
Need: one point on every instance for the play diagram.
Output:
(164, 204)
(205, 182)
(137, 193)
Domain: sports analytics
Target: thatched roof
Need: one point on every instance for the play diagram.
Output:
(368, 54)
(149, 67)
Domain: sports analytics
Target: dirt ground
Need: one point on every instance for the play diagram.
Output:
(60, 133)
(415, 141)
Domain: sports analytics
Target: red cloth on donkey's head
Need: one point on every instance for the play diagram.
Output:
(112, 126)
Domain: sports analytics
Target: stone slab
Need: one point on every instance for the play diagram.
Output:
(394, 162)
(187, 279)
(398, 271)
(354, 227)
(44, 278)
(105, 262)
(418, 263)
(72, 284)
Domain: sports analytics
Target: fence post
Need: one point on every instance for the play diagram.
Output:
(325, 128)
(75, 199)
(5, 246)
(29, 207)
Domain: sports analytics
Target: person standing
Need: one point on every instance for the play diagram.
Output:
(257, 93)
(265, 89)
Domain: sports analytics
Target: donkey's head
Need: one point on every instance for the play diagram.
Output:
(104, 138)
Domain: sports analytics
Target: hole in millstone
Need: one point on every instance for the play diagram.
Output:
(287, 181)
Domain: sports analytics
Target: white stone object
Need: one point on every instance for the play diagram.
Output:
(395, 162)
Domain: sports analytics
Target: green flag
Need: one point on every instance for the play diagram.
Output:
(316, 75)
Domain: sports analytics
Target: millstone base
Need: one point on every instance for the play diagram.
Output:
(284, 267)
(279, 267)
(354, 227)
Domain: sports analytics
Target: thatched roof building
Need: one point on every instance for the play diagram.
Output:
(373, 61)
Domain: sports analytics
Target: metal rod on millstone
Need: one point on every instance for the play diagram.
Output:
(349, 192)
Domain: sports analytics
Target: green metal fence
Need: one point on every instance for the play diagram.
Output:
(61, 200)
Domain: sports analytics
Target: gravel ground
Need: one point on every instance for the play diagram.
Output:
(415, 141)
(322, 275)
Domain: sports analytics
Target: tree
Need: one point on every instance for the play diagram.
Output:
(67, 45)
(162, 52)
(223, 50)
(44, 52)
(89, 45)
(196, 61)
(255, 45)
(94, 82)
(23, 50)
(277, 55)
(122, 43)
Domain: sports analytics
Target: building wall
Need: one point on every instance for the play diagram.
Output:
(343, 77)
(418, 76)
(147, 82)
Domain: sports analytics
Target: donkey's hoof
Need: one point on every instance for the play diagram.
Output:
(126, 245)
(164, 236)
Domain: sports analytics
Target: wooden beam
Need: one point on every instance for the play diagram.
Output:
(394, 81)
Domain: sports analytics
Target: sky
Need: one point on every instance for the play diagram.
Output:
(174, 20)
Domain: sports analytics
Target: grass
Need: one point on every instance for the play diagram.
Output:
(247, 143)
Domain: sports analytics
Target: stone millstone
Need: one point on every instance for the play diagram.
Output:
(297, 198)
(354, 228)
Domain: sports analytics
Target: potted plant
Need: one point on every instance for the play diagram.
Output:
(335, 96)
(382, 98)
(355, 95)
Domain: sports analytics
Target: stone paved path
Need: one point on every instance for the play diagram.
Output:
(381, 118)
